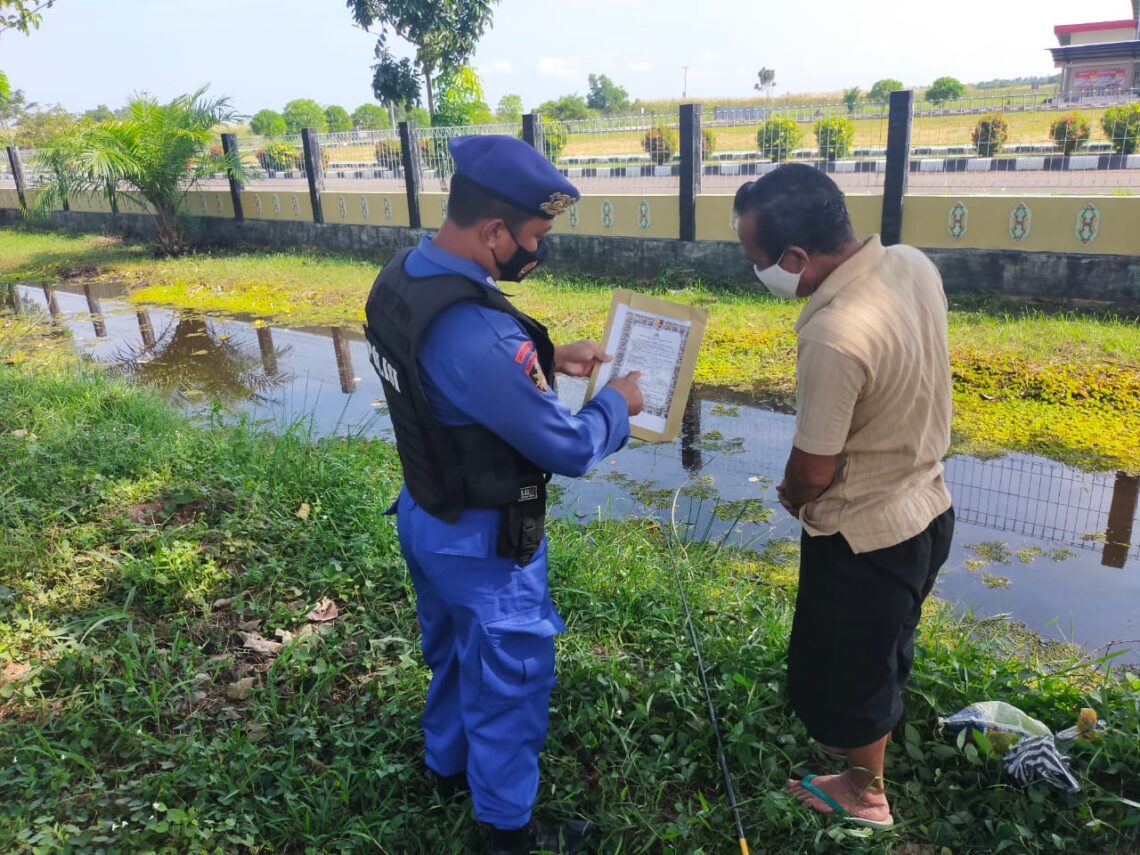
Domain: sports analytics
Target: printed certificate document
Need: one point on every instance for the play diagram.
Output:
(660, 339)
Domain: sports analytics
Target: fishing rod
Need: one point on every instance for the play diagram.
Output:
(730, 791)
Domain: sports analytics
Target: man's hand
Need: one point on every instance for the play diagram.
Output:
(787, 505)
(578, 359)
(629, 390)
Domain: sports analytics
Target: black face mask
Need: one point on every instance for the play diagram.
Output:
(523, 262)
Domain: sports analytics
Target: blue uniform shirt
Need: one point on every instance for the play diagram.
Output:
(473, 362)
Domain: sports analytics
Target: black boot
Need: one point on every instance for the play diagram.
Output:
(448, 786)
(541, 835)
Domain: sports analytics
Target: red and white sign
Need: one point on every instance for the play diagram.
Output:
(1086, 79)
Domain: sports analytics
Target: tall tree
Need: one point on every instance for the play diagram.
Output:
(267, 123)
(304, 113)
(395, 83)
(22, 15)
(510, 108)
(12, 110)
(5, 89)
(337, 118)
(461, 100)
(370, 117)
(765, 80)
(944, 89)
(102, 113)
(851, 98)
(443, 32)
(566, 107)
(605, 95)
(881, 89)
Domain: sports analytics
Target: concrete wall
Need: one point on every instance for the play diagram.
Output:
(1053, 275)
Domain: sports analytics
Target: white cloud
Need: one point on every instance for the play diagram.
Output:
(557, 67)
(499, 66)
(638, 67)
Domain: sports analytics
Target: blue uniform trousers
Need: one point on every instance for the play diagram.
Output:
(488, 628)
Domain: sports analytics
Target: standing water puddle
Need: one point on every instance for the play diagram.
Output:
(1043, 542)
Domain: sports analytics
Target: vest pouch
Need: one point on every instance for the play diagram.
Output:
(522, 526)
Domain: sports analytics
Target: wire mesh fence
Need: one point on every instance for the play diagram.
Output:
(362, 160)
(1049, 501)
(1027, 144)
(848, 140)
(616, 154)
(273, 161)
(435, 159)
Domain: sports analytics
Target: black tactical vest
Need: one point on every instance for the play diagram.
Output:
(448, 469)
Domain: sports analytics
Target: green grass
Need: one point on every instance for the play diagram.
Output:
(137, 544)
(1061, 383)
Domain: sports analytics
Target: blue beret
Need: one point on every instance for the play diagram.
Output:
(513, 171)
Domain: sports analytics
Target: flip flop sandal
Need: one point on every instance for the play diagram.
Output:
(840, 811)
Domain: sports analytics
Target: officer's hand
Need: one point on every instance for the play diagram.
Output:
(630, 390)
(578, 359)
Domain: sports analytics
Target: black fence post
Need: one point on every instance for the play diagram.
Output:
(18, 174)
(531, 130)
(898, 164)
(691, 148)
(230, 148)
(410, 155)
(314, 171)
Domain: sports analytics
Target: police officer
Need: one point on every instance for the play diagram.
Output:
(469, 384)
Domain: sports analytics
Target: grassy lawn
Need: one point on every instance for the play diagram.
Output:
(1066, 385)
(144, 556)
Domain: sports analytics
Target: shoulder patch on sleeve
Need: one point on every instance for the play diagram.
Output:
(534, 371)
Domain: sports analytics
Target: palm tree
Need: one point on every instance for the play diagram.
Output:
(154, 156)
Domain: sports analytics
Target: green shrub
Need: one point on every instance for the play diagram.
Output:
(555, 135)
(990, 134)
(709, 140)
(778, 138)
(1070, 132)
(279, 157)
(1122, 126)
(388, 154)
(834, 137)
(660, 142)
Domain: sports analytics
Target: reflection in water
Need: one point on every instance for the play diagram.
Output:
(96, 310)
(735, 447)
(268, 354)
(343, 361)
(1121, 513)
(52, 303)
(691, 436)
(146, 330)
(189, 359)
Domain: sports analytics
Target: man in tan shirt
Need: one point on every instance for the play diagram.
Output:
(864, 475)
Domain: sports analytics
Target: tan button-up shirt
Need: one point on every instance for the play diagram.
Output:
(873, 384)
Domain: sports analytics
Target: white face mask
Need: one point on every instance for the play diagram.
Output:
(778, 281)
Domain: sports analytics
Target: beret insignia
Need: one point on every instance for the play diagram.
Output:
(557, 203)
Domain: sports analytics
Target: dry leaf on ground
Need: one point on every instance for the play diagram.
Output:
(259, 644)
(325, 610)
(240, 690)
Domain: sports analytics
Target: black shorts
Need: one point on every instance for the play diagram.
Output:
(852, 643)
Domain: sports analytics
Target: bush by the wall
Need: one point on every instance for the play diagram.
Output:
(1122, 127)
(990, 134)
(279, 157)
(834, 137)
(778, 138)
(1070, 132)
(660, 143)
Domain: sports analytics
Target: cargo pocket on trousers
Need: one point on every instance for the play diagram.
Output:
(517, 657)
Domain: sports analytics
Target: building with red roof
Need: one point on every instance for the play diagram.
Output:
(1099, 58)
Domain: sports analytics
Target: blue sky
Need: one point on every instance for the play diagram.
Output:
(263, 53)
